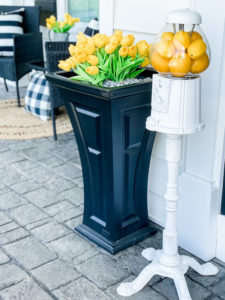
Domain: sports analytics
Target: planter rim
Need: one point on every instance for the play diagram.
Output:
(61, 79)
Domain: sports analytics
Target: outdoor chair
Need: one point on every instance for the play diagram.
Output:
(27, 47)
(55, 51)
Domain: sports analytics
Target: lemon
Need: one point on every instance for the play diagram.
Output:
(180, 64)
(167, 36)
(199, 65)
(166, 48)
(197, 49)
(159, 63)
(181, 40)
(195, 36)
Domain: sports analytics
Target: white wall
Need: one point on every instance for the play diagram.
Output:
(200, 179)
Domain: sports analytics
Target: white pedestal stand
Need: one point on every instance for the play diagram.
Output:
(167, 262)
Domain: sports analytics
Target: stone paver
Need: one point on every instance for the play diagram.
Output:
(30, 253)
(42, 257)
(80, 289)
(11, 200)
(55, 274)
(26, 214)
(25, 290)
(167, 288)
(110, 274)
(50, 231)
(3, 258)
(10, 274)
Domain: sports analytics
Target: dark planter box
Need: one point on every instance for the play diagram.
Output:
(115, 150)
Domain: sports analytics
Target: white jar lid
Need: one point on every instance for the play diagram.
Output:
(184, 16)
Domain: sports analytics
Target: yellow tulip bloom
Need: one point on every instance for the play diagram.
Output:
(110, 48)
(49, 25)
(66, 66)
(127, 40)
(143, 48)
(82, 38)
(92, 70)
(132, 51)
(123, 52)
(92, 60)
(76, 20)
(72, 49)
(146, 62)
(118, 34)
(81, 58)
(99, 40)
(52, 18)
(114, 40)
(89, 48)
(72, 61)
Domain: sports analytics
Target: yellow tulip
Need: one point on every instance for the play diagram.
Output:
(50, 21)
(123, 51)
(132, 51)
(72, 49)
(99, 40)
(72, 61)
(49, 25)
(107, 39)
(149, 48)
(114, 40)
(110, 48)
(76, 20)
(66, 66)
(78, 51)
(146, 62)
(118, 34)
(82, 38)
(92, 60)
(143, 48)
(81, 58)
(89, 48)
(92, 70)
(53, 18)
(127, 40)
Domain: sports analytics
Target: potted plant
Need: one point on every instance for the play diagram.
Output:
(108, 106)
(58, 31)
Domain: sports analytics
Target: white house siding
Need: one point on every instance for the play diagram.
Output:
(200, 172)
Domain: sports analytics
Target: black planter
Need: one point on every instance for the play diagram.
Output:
(115, 150)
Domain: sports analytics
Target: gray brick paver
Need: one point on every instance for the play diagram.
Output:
(30, 253)
(10, 274)
(55, 274)
(3, 258)
(50, 231)
(13, 235)
(26, 214)
(80, 289)
(11, 200)
(75, 195)
(25, 290)
(103, 270)
(41, 197)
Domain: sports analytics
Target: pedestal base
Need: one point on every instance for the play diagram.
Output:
(176, 273)
(114, 247)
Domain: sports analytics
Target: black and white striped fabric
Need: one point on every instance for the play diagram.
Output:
(11, 23)
(92, 27)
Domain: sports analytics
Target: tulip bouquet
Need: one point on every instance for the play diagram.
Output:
(116, 58)
(61, 27)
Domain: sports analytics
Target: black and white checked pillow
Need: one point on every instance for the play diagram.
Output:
(92, 27)
(11, 23)
(37, 99)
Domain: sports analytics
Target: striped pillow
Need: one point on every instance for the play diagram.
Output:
(10, 25)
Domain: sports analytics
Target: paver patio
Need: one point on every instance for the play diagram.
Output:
(41, 257)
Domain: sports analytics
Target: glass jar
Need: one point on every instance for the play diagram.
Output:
(181, 48)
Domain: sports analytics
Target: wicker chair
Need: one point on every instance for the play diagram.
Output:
(27, 47)
(55, 51)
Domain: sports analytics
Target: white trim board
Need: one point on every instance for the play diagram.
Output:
(220, 250)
